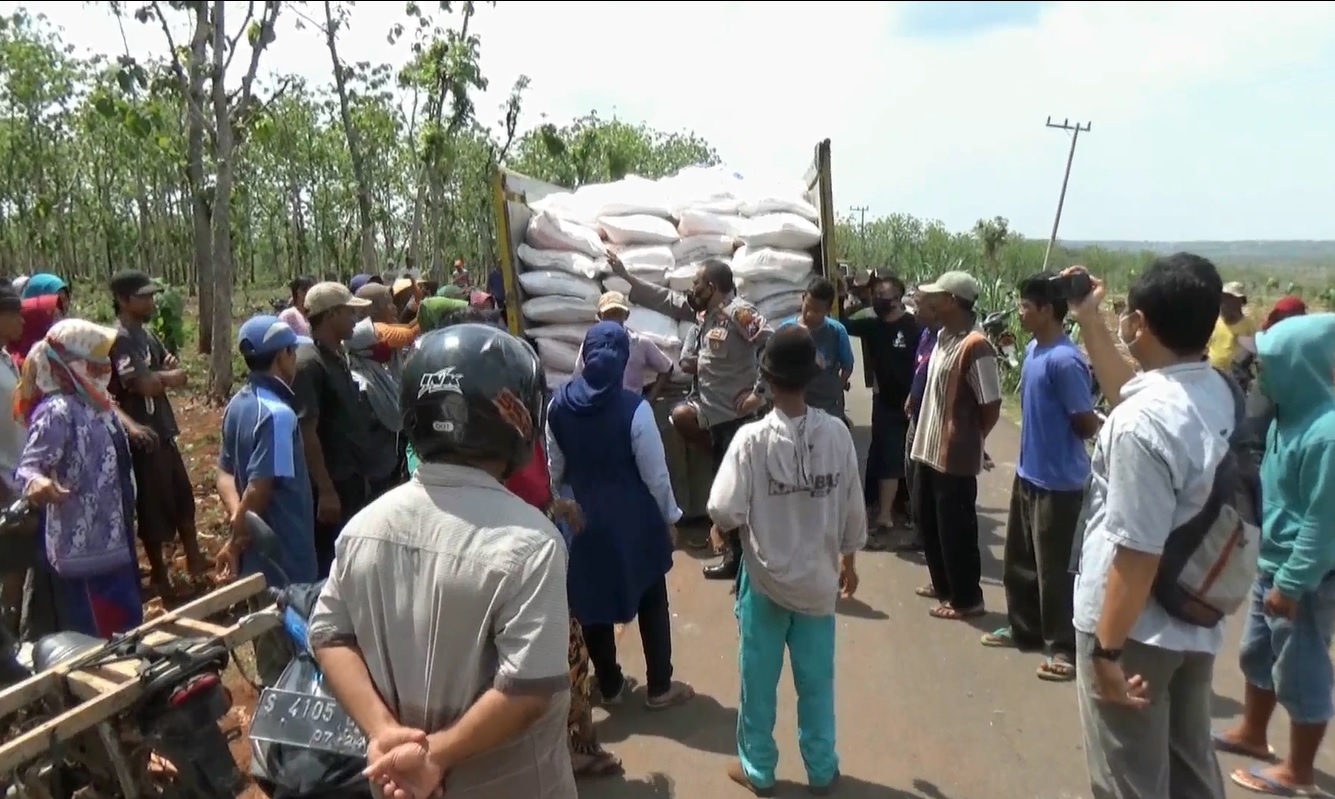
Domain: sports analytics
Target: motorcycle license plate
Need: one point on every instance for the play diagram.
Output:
(307, 721)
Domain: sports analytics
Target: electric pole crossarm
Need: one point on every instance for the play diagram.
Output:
(1075, 131)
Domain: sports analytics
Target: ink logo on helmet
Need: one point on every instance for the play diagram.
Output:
(446, 379)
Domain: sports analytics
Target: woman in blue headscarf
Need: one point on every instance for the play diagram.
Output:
(603, 444)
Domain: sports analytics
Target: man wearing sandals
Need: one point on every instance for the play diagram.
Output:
(960, 406)
(1058, 417)
(1285, 655)
(788, 485)
(1143, 677)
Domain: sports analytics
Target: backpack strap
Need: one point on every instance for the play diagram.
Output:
(1239, 404)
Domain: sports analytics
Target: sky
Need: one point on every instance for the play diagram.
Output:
(1209, 120)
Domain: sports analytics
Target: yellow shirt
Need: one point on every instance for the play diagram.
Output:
(1224, 341)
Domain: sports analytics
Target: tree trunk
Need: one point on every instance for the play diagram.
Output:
(353, 137)
(220, 360)
(193, 87)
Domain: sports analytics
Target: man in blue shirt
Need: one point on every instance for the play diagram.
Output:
(833, 348)
(1057, 418)
(262, 465)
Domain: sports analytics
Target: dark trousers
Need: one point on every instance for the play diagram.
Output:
(720, 438)
(946, 511)
(353, 494)
(1040, 533)
(656, 636)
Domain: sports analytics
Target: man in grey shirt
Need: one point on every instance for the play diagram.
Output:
(443, 627)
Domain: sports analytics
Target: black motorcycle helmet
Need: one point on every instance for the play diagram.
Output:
(473, 392)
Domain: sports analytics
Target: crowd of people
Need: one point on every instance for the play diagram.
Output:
(480, 537)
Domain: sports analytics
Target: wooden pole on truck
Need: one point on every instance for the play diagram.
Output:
(861, 211)
(1075, 131)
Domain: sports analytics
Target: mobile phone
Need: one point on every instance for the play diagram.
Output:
(1074, 286)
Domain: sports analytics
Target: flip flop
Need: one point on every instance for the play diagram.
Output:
(950, 613)
(679, 694)
(926, 592)
(1055, 670)
(628, 685)
(1000, 638)
(597, 764)
(1253, 780)
(1222, 744)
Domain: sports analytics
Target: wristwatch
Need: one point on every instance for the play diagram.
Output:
(1104, 653)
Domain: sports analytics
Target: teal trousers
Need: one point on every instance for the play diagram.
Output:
(765, 631)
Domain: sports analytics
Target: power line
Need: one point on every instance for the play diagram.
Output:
(1075, 131)
(862, 210)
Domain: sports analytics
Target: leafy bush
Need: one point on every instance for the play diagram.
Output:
(169, 320)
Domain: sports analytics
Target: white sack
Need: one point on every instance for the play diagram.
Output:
(656, 277)
(550, 232)
(630, 195)
(696, 222)
(707, 245)
(791, 198)
(566, 205)
(785, 231)
(614, 283)
(559, 310)
(681, 278)
(550, 282)
(638, 229)
(757, 291)
(555, 378)
(573, 262)
(658, 328)
(770, 264)
(558, 356)
(712, 188)
(573, 332)
(653, 256)
(779, 306)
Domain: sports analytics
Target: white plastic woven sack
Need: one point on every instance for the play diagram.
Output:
(706, 245)
(757, 291)
(614, 283)
(559, 310)
(550, 282)
(566, 205)
(786, 231)
(630, 195)
(556, 378)
(768, 263)
(550, 232)
(572, 332)
(653, 256)
(712, 188)
(556, 355)
(681, 278)
(658, 328)
(575, 263)
(638, 229)
(790, 198)
(779, 306)
(696, 222)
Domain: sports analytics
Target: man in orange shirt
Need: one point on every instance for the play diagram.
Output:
(388, 331)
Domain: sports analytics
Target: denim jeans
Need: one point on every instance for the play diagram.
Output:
(765, 631)
(1292, 656)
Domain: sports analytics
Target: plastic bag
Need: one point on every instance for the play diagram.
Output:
(559, 310)
(696, 222)
(550, 282)
(573, 262)
(710, 188)
(638, 229)
(557, 356)
(629, 196)
(571, 332)
(706, 245)
(779, 306)
(550, 232)
(784, 231)
(768, 263)
(566, 205)
(658, 328)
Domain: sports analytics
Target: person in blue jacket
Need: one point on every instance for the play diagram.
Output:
(1285, 655)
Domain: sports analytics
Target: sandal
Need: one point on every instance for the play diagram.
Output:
(1056, 669)
(1255, 781)
(599, 763)
(952, 613)
(679, 694)
(628, 685)
(926, 592)
(1222, 743)
(1001, 638)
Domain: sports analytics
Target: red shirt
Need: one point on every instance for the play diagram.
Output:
(532, 483)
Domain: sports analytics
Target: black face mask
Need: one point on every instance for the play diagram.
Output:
(883, 306)
(697, 299)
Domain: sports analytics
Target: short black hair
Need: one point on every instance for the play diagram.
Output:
(718, 273)
(895, 282)
(1037, 288)
(260, 363)
(821, 289)
(789, 362)
(1179, 296)
(301, 283)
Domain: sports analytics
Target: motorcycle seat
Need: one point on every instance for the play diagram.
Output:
(56, 648)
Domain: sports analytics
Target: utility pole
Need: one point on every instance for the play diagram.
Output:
(861, 211)
(1075, 131)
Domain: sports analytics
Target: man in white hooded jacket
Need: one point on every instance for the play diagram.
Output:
(789, 485)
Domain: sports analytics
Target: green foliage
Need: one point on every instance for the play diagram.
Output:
(596, 150)
(169, 320)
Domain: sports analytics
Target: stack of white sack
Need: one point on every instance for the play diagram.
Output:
(774, 263)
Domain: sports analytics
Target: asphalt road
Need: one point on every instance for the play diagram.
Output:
(924, 711)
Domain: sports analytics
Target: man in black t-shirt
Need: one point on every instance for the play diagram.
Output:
(144, 371)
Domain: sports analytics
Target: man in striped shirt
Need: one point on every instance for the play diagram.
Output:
(960, 406)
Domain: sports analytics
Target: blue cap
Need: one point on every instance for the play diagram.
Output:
(266, 335)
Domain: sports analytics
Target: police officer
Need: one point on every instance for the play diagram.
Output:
(723, 353)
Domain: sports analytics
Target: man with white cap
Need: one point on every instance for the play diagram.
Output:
(334, 429)
(960, 406)
(1234, 335)
(645, 357)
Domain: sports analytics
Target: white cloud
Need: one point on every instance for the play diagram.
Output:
(1178, 93)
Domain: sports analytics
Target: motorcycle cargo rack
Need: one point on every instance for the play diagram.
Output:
(95, 689)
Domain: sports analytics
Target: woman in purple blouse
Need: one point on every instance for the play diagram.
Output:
(75, 466)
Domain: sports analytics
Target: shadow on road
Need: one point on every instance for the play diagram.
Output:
(1225, 707)
(859, 610)
(853, 788)
(656, 786)
(701, 724)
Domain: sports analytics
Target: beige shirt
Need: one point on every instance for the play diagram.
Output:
(451, 585)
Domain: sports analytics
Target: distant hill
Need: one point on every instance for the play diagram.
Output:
(1235, 252)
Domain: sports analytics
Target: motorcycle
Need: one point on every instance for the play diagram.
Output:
(303, 743)
(175, 717)
(997, 329)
